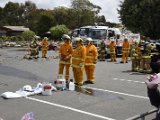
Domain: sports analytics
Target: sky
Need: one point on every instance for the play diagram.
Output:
(109, 7)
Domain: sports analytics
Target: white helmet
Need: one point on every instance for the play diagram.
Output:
(89, 39)
(27, 88)
(65, 36)
(78, 39)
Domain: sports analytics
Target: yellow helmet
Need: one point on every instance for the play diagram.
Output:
(45, 38)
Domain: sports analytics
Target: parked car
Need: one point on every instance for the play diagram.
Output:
(52, 46)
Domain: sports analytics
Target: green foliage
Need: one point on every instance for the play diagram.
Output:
(4, 38)
(85, 12)
(141, 16)
(58, 31)
(81, 13)
(28, 35)
(45, 23)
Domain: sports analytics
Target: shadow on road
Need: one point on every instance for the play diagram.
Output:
(11, 71)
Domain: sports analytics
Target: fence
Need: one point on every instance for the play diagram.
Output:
(143, 115)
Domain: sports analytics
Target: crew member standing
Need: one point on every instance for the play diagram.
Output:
(112, 47)
(44, 45)
(78, 61)
(65, 52)
(90, 61)
(102, 51)
(125, 51)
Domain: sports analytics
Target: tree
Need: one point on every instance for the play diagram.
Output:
(33, 18)
(58, 31)
(86, 12)
(141, 16)
(11, 13)
(28, 8)
(45, 22)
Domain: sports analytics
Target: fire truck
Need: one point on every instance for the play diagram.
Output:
(99, 33)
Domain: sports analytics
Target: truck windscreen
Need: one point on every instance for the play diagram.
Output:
(98, 34)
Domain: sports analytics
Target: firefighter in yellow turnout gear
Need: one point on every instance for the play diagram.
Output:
(90, 61)
(65, 53)
(78, 61)
(33, 49)
(146, 59)
(102, 51)
(125, 51)
(135, 56)
(112, 47)
(44, 45)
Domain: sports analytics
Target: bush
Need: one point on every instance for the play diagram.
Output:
(28, 35)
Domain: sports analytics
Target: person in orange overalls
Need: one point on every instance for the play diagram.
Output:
(65, 52)
(112, 47)
(90, 61)
(125, 51)
(44, 45)
(78, 61)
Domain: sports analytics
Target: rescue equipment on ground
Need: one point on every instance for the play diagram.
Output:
(47, 89)
(71, 85)
(27, 90)
(60, 83)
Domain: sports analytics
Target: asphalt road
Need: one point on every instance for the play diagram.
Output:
(117, 94)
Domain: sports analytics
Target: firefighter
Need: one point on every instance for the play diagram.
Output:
(125, 50)
(102, 51)
(65, 52)
(44, 45)
(146, 59)
(33, 49)
(135, 56)
(112, 47)
(78, 61)
(138, 56)
(90, 61)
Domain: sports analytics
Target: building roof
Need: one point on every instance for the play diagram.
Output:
(16, 28)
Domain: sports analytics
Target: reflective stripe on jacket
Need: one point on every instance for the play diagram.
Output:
(126, 47)
(91, 54)
(44, 44)
(78, 56)
(65, 51)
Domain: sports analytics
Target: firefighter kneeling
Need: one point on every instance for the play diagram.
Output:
(44, 47)
(33, 49)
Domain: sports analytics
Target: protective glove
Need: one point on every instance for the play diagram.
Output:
(95, 62)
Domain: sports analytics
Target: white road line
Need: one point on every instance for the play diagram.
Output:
(70, 108)
(126, 94)
(119, 79)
